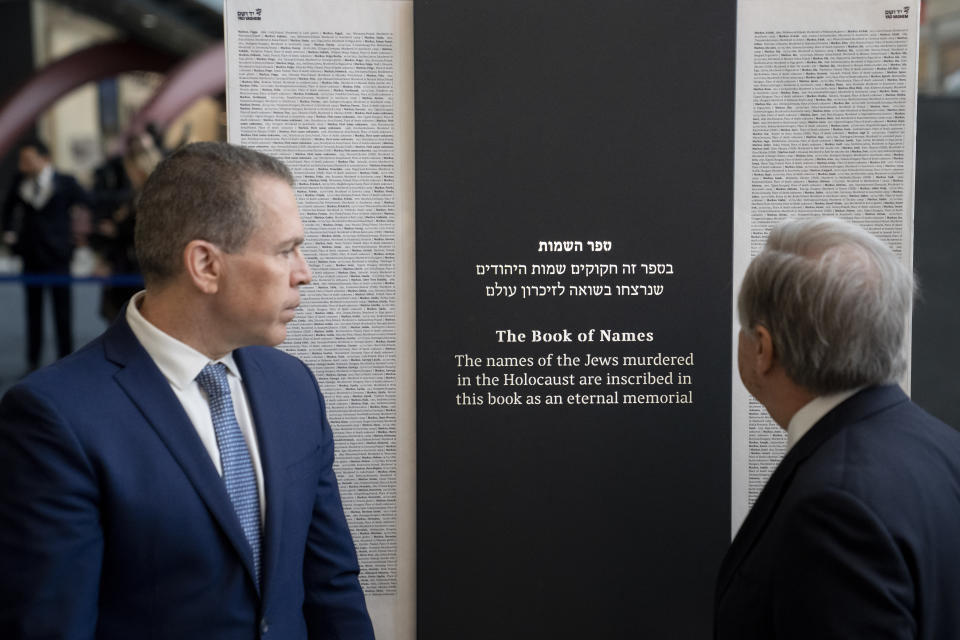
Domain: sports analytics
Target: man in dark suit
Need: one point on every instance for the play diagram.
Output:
(37, 225)
(857, 532)
(173, 478)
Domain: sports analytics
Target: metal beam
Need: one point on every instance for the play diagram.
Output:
(19, 111)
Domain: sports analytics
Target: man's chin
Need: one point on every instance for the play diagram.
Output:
(279, 336)
(273, 337)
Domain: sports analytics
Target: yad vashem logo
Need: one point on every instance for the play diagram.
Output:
(249, 15)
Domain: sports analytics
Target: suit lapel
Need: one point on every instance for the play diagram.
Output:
(146, 387)
(856, 408)
(257, 385)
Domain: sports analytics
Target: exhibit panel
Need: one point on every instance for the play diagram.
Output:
(574, 190)
(327, 87)
(826, 126)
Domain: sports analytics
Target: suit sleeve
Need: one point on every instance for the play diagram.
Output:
(51, 541)
(841, 574)
(7, 221)
(334, 606)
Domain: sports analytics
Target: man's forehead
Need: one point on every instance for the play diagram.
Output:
(265, 185)
(276, 204)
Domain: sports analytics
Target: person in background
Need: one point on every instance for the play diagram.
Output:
(855, 535)
(113, 241)
(174, 478)
(37, 225)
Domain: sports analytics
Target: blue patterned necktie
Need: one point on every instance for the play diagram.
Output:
(238, 472)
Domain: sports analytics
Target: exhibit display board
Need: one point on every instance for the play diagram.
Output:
(540, 432)
(826, 126)
(328, 88)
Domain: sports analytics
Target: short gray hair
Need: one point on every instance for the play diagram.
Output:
(199, 192)
(836, 302)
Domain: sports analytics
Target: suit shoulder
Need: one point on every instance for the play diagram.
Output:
(79, 370)
(65, 179)
(269, 355)
(903, 435)
(892, 459)
(69, 187)
(73, 393)
(275, 363)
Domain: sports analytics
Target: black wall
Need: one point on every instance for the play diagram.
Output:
(578, 121)
(936, 320)
(16, 34)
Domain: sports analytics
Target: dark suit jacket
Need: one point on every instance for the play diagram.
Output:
(856, 534)
(115, 524)
(44, 236)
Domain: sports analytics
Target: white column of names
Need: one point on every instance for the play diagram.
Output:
(325, 86)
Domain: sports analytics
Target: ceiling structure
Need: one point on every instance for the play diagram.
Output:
(181, 27)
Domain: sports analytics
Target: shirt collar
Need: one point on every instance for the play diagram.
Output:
(39, 189)
(45, 177)
(178, 362)
(811, 413)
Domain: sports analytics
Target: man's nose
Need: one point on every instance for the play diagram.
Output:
(301, 273)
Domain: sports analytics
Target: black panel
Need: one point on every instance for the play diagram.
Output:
(574, 121)
(16, 35)
(936, 338)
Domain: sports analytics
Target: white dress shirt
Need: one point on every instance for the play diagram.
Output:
(810, 414)
(180, 365)
(37, 191)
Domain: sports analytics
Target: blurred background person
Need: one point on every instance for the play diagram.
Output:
(37, 225)
(113, 240)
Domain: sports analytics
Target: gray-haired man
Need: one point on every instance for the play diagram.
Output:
(856, 533)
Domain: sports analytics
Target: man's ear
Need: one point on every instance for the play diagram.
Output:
(763, 355)
(203, 263)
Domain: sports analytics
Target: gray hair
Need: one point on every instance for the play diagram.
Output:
(199, 192)
(836, 302)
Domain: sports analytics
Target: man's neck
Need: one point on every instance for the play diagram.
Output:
(172, 312)
(785, 398)
(811, 413)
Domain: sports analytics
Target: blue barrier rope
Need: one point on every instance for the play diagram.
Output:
(60, 279)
